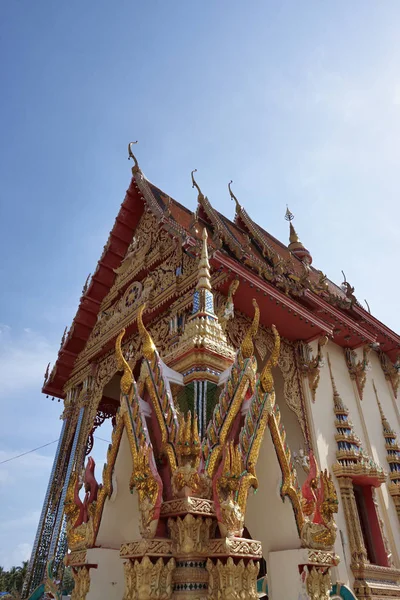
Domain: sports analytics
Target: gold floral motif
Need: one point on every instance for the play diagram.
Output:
(310, 365)
(77, 558)
(190, 535)
(358, 369)
(287, 364)
(193, 505)
(228, 486)
(266, 379)
(122, 365)
(186, 478)
(228, 310)
(319, 583)
(241, 377)
(234, 546)
(319, 531)
(391, 370)
(153, 547)
(149, 348)
(145, 580)
(230, 581)
(81, 577)
(247, 346)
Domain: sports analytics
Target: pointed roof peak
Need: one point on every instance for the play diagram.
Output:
(200, 195)
(295, 245)
(338, 402)
(233, 197)
(135, 168)
(204, 265)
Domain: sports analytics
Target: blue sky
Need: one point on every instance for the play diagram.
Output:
(297, 102)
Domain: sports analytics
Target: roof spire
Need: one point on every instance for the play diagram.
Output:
(338, 402)
(233, 197)
(204, 266)
(295, 245)
(135, 167)
(383, 418)
(195, 185)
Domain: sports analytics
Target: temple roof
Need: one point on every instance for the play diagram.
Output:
(303, 303)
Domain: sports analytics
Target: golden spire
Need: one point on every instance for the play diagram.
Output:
(204, 266)
(293, 237)
(247, 344)
(266, 379)
(295, 245)
(338, 402)
(149, 347)
(233, 197)
(122, 365)
(200, 195)
(385, 422)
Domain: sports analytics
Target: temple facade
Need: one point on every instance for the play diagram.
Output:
(255, 449)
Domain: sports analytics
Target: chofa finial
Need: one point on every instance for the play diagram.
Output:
(195, 184)
(233, 197)
(135, 167)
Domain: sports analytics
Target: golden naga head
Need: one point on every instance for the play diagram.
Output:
(188, 444)
(247, 346)
(330, 502)
(149, 347)
(266, 379)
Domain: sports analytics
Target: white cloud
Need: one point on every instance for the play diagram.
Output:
(23, 359)
(16, 556)
(28, 466)
(29, 519)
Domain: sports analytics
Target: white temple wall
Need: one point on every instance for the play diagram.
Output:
(268, 519)
(294, 434)
(107, 581)
(376, 444)
(120, 519)
(366, 420)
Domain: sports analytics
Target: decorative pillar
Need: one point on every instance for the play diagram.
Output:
(190, 536)
(49, 524)
(357, 546)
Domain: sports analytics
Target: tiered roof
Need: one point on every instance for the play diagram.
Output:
(301, 301)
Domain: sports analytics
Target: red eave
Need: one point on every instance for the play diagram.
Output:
(103, 278)
(388, 340)
(292, 320)
(348, 333)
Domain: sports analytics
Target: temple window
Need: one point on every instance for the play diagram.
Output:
(369, 524)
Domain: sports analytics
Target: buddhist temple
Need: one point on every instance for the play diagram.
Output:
(254, 449)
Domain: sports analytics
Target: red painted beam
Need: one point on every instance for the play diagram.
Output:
(293, 308)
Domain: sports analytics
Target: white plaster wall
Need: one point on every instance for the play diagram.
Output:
(294, 434)
(120, 519)
(373, 424)
(107, 581)
(284, 580)
(367, 425)
(325, 444)
(268, 519)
